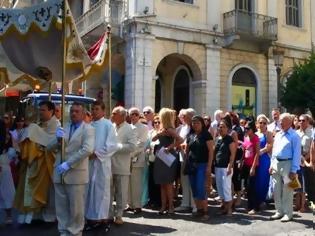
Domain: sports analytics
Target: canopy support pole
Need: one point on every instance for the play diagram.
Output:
(63, 79)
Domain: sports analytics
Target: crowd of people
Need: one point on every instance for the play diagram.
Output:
(88, 173)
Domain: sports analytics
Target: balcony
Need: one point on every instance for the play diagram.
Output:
(101, 14)
(250, 26)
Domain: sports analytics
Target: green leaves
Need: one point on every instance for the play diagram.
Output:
(299, 93)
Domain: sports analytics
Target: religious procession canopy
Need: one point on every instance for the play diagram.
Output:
(32, 45)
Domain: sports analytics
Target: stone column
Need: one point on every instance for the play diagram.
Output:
(139, 78)
(199, 96)
(272, 84)
(213, 79)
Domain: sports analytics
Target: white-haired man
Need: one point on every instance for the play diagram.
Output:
(121, 160)
(148, 113)
(285, 162)
(218, 114)
(183, 131)
(137, 161)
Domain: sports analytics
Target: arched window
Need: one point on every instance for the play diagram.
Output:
(244, 92)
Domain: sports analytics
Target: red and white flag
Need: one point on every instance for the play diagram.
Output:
(98, 50)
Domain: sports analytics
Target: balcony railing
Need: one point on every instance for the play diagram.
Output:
(102, 12)
(250, 24)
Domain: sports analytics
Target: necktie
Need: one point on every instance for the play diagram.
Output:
(72, 129)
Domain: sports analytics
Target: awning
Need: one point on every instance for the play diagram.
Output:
(32, 41)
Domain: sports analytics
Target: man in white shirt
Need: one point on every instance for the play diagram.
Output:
(275, 127)
(148, 113)
(137, 161)
(121, 161)
(100, 171)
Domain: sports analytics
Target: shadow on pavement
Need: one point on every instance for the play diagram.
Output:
(44, 229)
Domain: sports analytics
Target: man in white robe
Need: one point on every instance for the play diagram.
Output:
(98, 195)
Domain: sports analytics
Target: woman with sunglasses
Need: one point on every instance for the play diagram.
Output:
(251, 160)
(265, 142)
(154, 189)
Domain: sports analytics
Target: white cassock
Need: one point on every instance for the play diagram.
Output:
(98, 193)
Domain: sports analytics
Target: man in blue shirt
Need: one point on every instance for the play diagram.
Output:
(285, 162)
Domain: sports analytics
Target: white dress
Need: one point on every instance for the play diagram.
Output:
(7, 189)
(98, 194)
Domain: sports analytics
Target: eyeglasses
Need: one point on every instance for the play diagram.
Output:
(262, 123)
(146, 112)
(156, 122)
(134, 114)
(301, 120)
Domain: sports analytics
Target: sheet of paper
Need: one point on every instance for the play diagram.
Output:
(167, 158)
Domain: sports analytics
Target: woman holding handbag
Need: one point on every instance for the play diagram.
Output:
(199, 152)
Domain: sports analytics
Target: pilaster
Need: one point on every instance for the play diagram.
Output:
(272, 84)
(139, 78)
(213, 79)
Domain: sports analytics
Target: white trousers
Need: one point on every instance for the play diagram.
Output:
(283, 195)
(135, 187)
(224, 184)
(119, 191)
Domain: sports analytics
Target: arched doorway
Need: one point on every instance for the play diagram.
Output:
(244, 92)
(177, 77)
(181, 93)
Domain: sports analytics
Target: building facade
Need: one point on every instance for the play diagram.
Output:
(218, 54)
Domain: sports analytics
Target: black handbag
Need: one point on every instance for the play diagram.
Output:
(190, 167)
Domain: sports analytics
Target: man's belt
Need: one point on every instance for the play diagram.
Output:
(284, 159)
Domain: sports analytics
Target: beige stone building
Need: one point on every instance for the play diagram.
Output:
(206, 54)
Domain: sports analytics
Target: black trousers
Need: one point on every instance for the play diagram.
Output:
(252, 200)
(154, 189)
(309, 177)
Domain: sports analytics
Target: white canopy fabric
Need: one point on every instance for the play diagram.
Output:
(32, 39)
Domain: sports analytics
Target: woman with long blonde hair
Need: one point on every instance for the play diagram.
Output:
(163, 174)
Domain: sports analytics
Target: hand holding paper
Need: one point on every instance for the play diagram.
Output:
(166, 157)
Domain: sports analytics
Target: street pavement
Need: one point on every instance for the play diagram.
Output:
(150, 223)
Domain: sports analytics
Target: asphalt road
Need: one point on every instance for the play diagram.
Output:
(150, 223)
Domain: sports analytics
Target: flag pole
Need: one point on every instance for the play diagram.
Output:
(109, 47)
(63, 100)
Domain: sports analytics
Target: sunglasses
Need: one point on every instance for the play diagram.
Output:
(301, 120)
(146, 112)
(5, 117)
(134, 114)
(156, 122)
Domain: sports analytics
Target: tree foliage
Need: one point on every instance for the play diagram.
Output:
(299, 93)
